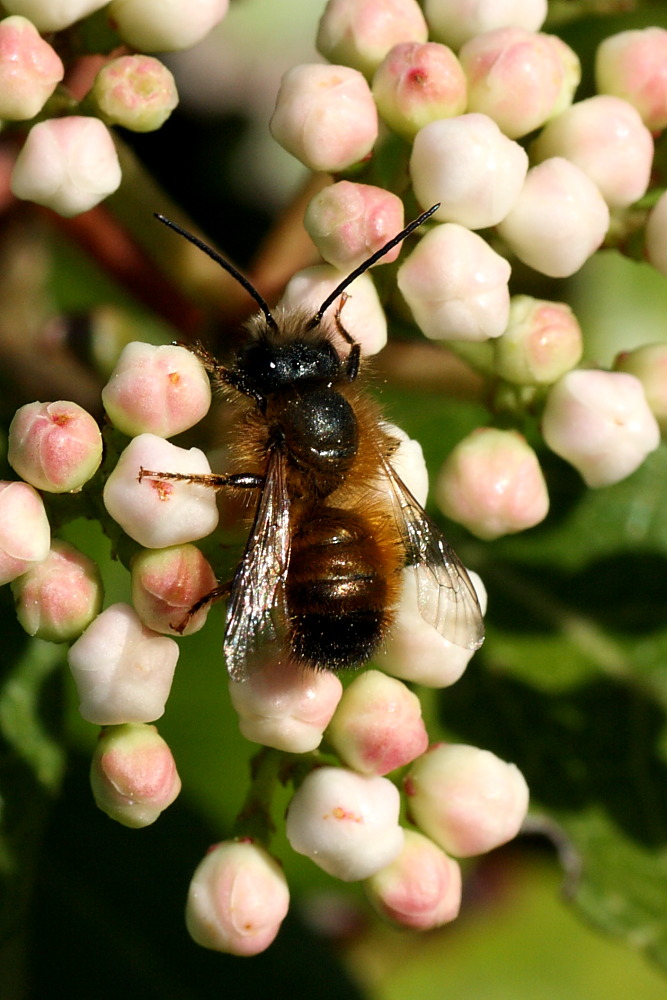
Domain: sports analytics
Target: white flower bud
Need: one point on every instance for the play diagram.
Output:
(455, 21)
(347, 823)
(600, 423)
(25, 533)
(456, 285)
(165, 25)
(53, 15)
(359, 33)
(470, 167)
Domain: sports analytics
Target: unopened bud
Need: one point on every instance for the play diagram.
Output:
(137, 92)
(30, 69)
(55, 447)
(159, 26)
(25, 533)
(48, 16)
(361, 32)
(348, 222)
(493, 484)
(57, 599)
(166, 583)
(133, 774)
(631, 65)
(378, 725)
(649, 364)
(542, 342)
(467, 800)
(455, 21)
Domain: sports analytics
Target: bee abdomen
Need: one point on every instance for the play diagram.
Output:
(339, 596)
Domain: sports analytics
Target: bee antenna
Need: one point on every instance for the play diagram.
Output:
(330, 299)
(219, 259)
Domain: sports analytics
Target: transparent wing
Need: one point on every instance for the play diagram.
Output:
(256, 611)
(445, 595)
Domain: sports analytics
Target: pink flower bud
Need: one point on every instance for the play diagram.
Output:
(601, 424)
(57, 599)
(649, 364)
(347, 823)
(470, 167)
(29, 69)
(325, 116)
(25, 533)
(348, 222)
(68, 164)
(656, 235)
(137, 92)
(416, 84)
(456, 285)
(455, 21)
(362, 314)
(53, 15)
(56, 447)
(165, 585)
(414, 651)
(542, 341)
(421, 889)
(159, 513)
(467, 800)
(237, 900)
(559, 220)
(631, 65)
(606, 138)
(122, 670)
(516, 77)
(133, 775)
(285, 706)
(160, 390)
(378, 725)
(165, 25)
(359, 33)
(493, 484)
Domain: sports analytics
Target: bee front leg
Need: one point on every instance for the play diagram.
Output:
(243, 480)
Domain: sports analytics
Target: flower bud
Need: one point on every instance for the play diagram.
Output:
(519, 78)
(493, 484)
(325, 116)
(159, 513)
(25, 533)
(55, 447)
(378, 725)
(456, 285)
(68, 164)
(165, 585)
(470, 167)
(137, 92)
(408, 462)
(237, 900)
(159, 390)
(467, 800)
(601, 424)
(416, 84)
(362, 315)
(421, 889)
(656, 235)
(455, 21)
(286, 706)
(53, 15)
(57, 599)
(541, 343)
(414, 651)
(30, 69)
(348, 222)
(606, 138)
(558, 221)
(359, 33)
(122, 670)
(631, 65)
(347, 823)
(649, 364)
(133, 775)
(165, 25)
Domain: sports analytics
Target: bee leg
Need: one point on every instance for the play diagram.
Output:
(216, 594)
(245, 480)
(354, 357)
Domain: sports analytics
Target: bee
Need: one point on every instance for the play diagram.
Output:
(334, 525)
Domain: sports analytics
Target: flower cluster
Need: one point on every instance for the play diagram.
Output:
(480, 103)
(348, 747)
(68, 160)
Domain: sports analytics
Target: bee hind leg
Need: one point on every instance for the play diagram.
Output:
(244, 480)
(216, 594)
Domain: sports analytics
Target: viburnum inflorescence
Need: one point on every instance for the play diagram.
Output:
(477, 106)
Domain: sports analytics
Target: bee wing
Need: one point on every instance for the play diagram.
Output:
(256, 610)
(445, 595)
